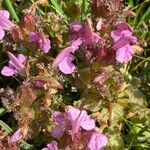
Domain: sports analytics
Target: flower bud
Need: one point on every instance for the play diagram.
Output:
(28, 23)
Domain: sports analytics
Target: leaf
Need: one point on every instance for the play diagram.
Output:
(2, 111)
(5, 127)
(26, 146)
(116, 142)
(58, 9)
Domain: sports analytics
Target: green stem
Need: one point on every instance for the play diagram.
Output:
(11, 9)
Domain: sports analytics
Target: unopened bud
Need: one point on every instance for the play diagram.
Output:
(28, 23)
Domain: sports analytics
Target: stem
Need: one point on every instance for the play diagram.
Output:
(11, 10)
(110, 118)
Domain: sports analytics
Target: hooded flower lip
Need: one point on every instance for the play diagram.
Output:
(79, 119)
(66, 66)
(122, 37)
(16, 137)
(5, 23)
(15, 65)
(64, 60)
(40, 40)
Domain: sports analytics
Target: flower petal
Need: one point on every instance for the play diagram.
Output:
(72, 113)
(58, 131)
(6, 23)
(75, 26)
(33, 37)
(64, 53)
(17, 64)
(17, 136)
(117, 34)
(58, 117)
(5, 13)
(87, 123)
(66, 66)
(52, 146)
(2, 33)
(97, 141)
(7, 71)
(22, 58)
(45, 45)
(124, 54)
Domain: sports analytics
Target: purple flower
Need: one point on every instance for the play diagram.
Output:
(85, 34)
(97, 140)
(79, 119)
(64, 60)
(15, 65)
(16, 137)
(5, 23)
(76, 27)
(123, 30)
(122, 37)
(40, 40)
(51, 146)
(73, 120)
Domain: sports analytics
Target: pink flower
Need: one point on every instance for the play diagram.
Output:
(16, 137)
(40, 40)
(15, 65)
(51, 146)
(74, 120)
(5, 23)
(79, 119)
(123, 30)
(76, 27)
(86, 34)
(97, 140)
(122, 37)
(64, 60)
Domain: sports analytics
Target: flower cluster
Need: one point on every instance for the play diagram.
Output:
(122, 37)
(88, 51)
(15, 65)
(74, 122)
(79, 35)
(40, 40)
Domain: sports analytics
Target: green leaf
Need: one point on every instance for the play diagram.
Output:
(5, 127)
(11, 9)
(58, 9)
(2, 111)
(26, 146)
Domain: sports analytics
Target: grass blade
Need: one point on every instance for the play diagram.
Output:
(11, 9)
(58, 9)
